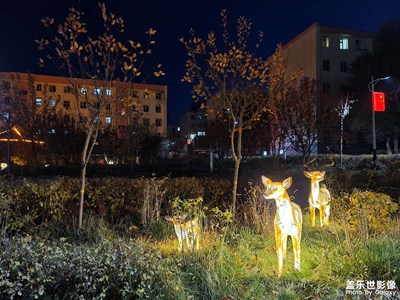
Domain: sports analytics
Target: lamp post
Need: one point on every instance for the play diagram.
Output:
(371, 86)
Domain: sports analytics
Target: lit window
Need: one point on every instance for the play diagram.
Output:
(52, 88)
(158, 122)
(108, 120)
(83, 91)
(201, 133)
(344, 43)
(67, 104)
(343, 67)
(52, 131)
(108, 106)
(325, 41)
(96, 91)
(108, 92)
(83, 105)
(326, 66)
(145, 108)
(52, 102)
(146, 122)
(158, 108)
(38, 101)
(6, 115)
(158, 96)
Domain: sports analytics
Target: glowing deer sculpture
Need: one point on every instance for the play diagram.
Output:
(187, 232)
(288, 219)
(319, 197)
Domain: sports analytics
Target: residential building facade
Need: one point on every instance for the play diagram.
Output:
(146, 103)
(325, 54)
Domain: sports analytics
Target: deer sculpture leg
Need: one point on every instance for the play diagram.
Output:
(288, 219)
(186, 232)
(312, 215)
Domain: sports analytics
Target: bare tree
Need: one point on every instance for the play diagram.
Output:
(300, 110)
(95, 66)
(231, 78)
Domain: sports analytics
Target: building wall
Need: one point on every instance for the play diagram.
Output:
(147, 100)
(193, 122)
(301, 52)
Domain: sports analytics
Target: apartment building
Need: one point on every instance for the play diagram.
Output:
(124, 103)
(325, 54)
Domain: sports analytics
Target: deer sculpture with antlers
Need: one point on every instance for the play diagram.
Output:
(319, 197)
(288, 219)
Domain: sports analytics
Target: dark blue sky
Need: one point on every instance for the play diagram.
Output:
(280, 20)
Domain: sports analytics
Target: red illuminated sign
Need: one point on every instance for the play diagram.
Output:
(379, 101)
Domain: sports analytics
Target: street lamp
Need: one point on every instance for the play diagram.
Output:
(371, 86)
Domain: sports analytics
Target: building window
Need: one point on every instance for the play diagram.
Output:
(158, 108)
(38, 101)
(108, 92)
(325, 41)
(326, 66)
(359, 45)
(326, 87)
(67, 104)
(6, 115)
(108, 106)
(39, 87)
(192, 117)
(344, 43)
(158, 96)
(343, 66)
(146, 122)
(52, 102)
(96, 91)
(145, 108)
(23, 92)
(67, 89)
(52, 89)
(121, 127)
(135, 94)
(158, 122)
(83, 105)
(108, 120)
(83, 91)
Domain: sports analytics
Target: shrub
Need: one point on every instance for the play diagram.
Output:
(364, 212)
(31, 268)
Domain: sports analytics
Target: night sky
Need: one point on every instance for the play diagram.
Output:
(280, 20)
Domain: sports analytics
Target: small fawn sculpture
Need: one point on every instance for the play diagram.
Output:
(288, 219)
(188, 233)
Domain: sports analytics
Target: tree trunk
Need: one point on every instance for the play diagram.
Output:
(81, 195)
(211, 161)
(388, 147)
(237, 157)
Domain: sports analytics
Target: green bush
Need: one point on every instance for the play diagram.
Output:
(32, 269)
(54, 202)
(364, 212)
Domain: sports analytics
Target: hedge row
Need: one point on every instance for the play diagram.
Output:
(26, 202)
(38, 269)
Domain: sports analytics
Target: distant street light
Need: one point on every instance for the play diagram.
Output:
(371, 86)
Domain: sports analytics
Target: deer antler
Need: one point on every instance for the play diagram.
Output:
(309, 163)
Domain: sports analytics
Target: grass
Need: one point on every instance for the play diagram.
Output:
(245, 265)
